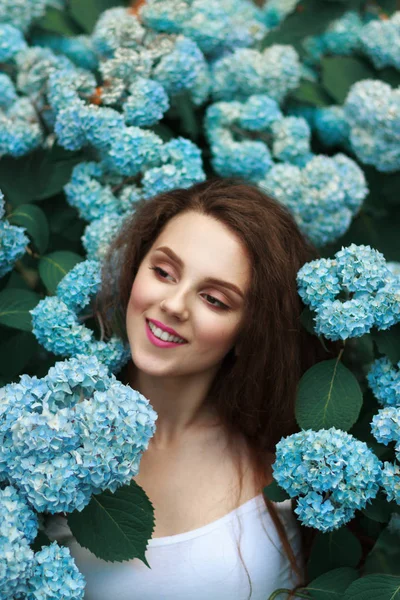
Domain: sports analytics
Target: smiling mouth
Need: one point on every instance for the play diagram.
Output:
(173, 334)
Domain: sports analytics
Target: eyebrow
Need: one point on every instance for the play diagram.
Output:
(212, 280)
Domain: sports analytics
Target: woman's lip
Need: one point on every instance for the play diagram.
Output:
(165, 328)
(160, 343)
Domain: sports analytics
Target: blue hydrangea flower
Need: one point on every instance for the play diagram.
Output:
(385, 425)
(18, 519)
(258, 113)
(168, 177)
(69, 126)
(35, 65)
(116, 28)
(391, 481)
(342, 36)
(99, 234)
(11, 42)
(21, 13)
(380, 41)
(131, 148)
(61, 447)
(372, 110)
(8, 94)
(87, 192)
(386, 305)
(215, 28)
(55, 575)
(318, 282)
(13, 243)
(80, 284)
(18, 528)
(326, 467)
(323, 195)
(275, 72)
(179, 69)
(361, 268)
(291, 140)
(337, 320)
(384, 380)
(68, 85)
(146, 104)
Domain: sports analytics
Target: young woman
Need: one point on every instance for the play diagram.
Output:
(215, 267)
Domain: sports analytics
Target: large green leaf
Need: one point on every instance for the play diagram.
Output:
(339, 73)
(58, 21)
(328, 396)
(86, 13)
(380, 509)
(312, 93)
(388, 342)
(275, 493)
(55, 170)
(18, 176)
(339, 548)
(35, 222)
(15, 306)
(374, 587)
(53, 267)
(332, 585)
(115, 527)
(384, 556)
(16, 351)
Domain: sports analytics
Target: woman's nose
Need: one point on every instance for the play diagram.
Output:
(176, 303)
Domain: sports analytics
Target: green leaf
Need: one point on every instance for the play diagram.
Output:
(53, 267)
(388, 342)
(388, 6)
(15, 306)
(115, 527)
(55, 170)
(380, 509)
(18, 175)
(16, 351)
(374, 587)
(332, 585)
(339, 73)
(339, 548)
(384, 556)
(58, 21)
(328, 396)
(275, 493)
(312, 93)
(35, 222)
(87, 13)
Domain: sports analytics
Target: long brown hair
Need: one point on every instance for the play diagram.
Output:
(253, 393)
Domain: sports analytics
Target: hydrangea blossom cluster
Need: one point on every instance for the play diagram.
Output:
(380, 41)
(385, 428)
(359, 274)
(13, 242)
(21, 13)
(330, 472)
(275, 72)
(56, 323)
(341, 37)
(50, 573)
(20, 131)
(11, 41)
(73, 433)
(215, 27)
(323, 196)
(99, 234)
(331, 126)
(384, 380)
(177, 163)
(18, 528)
(372, 110)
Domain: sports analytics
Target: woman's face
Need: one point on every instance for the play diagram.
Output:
(180, 297)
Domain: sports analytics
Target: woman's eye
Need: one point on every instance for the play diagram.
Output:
(163, 274)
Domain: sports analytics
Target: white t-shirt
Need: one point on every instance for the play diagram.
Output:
(202, 564)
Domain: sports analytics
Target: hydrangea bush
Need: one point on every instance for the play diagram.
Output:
(101, 109)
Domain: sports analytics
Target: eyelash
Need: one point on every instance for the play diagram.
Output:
(222, 307)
